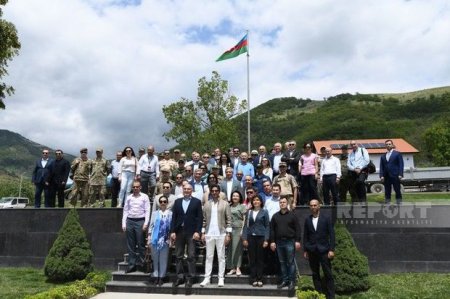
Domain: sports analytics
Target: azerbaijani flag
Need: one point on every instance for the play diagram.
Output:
(241, 47)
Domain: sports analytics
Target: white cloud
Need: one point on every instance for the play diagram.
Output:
(97, 73)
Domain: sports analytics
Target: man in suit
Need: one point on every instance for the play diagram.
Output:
(185, 229)
(41, 179)
(229, 185)
(291, 157)
(319, 244)
(216, 233)
(59, 174)
(391, 172)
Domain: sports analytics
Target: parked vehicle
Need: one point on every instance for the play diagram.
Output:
(423, 179)
(14, 202)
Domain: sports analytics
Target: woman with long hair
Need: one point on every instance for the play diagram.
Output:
(128, 172)
(267, 168)
(234, 256)
(308, 167)
(223, 163)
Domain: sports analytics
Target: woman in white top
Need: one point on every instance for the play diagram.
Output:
(128, 172)
(267, 168)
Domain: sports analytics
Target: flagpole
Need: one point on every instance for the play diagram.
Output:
(248, 95)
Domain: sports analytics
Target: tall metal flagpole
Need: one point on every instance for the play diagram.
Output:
(248, 94)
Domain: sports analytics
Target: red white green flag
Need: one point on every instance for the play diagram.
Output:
(240, 48)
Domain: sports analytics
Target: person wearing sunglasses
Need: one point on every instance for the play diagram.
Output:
(159, 239)
(41, 179)
(166, 192)
(135, 220)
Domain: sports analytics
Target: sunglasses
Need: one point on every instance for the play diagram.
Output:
(162, 201)
(249, 192)
(166, 187)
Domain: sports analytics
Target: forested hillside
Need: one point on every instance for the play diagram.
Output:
(348, 116)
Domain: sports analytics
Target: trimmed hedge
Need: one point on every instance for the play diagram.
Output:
(70, 257)
(310, 295)
(350, 267)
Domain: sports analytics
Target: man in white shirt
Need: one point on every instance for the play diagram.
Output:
(357, 163)
(135, 219)
(216, 232)
(330, 174)
(275, 159)
(115, 183)
(149, 166)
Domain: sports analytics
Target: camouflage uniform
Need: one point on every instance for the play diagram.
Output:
(97, 182)
(81, 170)
(169, 163)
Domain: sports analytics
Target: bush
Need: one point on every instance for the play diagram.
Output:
(310, 295)
(350, 267)
(78, 290)
(9, 186)
(70, 257)
(98, 280)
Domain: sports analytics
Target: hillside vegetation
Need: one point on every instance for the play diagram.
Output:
(347, 116)
(18, 154)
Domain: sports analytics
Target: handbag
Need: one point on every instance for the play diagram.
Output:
(371, 168)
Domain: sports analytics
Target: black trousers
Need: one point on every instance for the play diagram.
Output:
(115, 188)
(182, 241)
(308, 188)
(358, 183)
(317, 259)
(58, 191)
(256, 257)
(330, 185)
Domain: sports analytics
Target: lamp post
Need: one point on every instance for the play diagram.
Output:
(20, 184)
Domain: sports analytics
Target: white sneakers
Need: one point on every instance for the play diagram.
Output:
(205, 282)
(221, 282)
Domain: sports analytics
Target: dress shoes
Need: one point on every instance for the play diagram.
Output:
(131, 269)
(140, 268)
(156, 281)
(291, 286)
(283, 285)
(178, 282)
(188, 283)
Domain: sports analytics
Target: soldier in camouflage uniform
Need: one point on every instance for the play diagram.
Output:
(344, 183)
(167, 161)
(97, 182)
(80, 168)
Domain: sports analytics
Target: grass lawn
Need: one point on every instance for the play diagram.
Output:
(399, 286)
(18, 282)
(432, 197)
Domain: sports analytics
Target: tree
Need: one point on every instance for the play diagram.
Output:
(350, 266)
(70, 257)
(9, 47)
(208, 122)
(437, 140)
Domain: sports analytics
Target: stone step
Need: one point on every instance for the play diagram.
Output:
(212, 289)
(146, 277)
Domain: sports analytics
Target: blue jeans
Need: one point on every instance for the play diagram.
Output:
(286, 256)
(126, 182)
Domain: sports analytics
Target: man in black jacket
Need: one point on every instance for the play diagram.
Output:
(41, 179)
(319, 244)
(59, 175)
(285, 235)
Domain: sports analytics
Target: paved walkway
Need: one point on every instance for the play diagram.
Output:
(114, 295)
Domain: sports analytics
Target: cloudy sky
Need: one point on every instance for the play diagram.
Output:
(97, 72)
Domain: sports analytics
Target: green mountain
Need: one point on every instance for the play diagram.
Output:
(347, 116)
(18, 154)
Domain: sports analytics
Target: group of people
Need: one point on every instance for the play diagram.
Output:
(50, 177)
(227, 200)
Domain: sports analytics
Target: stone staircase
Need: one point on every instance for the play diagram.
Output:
(139, 282)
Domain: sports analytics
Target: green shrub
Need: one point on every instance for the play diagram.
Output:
(78, 290)
(70, 257)
(350, 267)
(310, 295)
(98, 280)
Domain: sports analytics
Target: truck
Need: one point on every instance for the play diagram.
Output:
(422, 179)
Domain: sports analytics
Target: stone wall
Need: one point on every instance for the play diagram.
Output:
(414, 239)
